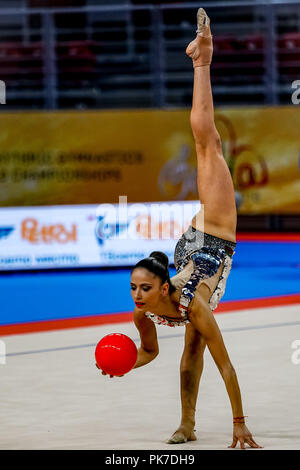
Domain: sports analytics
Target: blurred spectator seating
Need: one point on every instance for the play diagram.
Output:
(76, 62)
(288, 56)
(239, 60)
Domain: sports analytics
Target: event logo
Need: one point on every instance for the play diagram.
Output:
(56, 233)
(105, 230)
(248, 169)
(178, 173)
(178, 178)
(6, 231)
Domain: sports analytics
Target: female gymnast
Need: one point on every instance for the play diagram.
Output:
(202, 259)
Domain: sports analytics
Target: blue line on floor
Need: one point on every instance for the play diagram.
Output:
(89, 345)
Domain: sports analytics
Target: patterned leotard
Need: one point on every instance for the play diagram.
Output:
(205, 254)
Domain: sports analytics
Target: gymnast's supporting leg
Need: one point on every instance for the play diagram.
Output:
(191, 368)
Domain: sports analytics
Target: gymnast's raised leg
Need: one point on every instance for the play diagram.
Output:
(215, 186)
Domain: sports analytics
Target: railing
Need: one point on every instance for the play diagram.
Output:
(122, 56)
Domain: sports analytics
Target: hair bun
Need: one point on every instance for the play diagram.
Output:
(161, 258)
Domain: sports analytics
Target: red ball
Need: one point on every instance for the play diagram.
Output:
(116, 354)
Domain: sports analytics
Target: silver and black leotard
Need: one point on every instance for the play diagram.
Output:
(198, 258)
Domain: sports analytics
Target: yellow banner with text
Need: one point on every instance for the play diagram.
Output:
(93, 157)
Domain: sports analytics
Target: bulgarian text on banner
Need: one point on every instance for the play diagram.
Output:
(91, 235)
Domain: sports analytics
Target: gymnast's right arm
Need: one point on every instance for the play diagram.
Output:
(148, 349)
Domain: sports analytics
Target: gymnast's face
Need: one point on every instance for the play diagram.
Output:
(147, 289)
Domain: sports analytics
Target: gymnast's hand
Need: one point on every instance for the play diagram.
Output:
(242, 434)
(104, 373)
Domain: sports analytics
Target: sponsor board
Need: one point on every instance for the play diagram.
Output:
(152, 159)
(104, 235)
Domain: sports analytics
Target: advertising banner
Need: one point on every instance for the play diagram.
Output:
(104, 235)
(93, 157)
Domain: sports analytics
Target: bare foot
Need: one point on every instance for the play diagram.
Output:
(201, 48)
(181, 436)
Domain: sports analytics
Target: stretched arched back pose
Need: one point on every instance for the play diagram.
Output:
(202, 259)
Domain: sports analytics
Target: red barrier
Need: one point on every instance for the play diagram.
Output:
(82, 322)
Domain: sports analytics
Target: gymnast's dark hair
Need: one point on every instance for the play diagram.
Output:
(158, 264)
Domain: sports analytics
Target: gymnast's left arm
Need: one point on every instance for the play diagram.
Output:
(149, 345)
